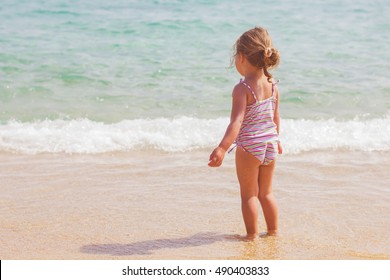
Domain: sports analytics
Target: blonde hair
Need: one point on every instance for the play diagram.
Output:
(256, 45)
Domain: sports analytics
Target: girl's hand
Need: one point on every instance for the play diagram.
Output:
(280, 149)
(216, 157)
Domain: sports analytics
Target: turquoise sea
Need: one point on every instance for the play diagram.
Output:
(96, 76)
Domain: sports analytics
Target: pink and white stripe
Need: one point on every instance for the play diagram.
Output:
(258, 134)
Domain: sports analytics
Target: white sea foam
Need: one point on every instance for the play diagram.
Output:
(184, 134)
(364, 135)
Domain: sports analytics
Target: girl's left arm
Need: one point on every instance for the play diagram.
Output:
(236, 118)
(277, 118)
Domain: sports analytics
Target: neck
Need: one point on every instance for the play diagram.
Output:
(256, 74)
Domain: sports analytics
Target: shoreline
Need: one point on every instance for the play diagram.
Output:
(160, 205)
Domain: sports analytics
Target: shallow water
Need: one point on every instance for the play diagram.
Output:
(148, 205)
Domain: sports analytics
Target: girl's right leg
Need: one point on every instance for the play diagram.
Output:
(247, 167)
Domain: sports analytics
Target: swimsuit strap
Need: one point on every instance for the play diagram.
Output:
(273, 87)
(250, 89)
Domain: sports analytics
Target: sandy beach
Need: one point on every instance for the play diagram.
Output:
(159, 205)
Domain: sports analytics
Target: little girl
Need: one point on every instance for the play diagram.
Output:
(254, 127)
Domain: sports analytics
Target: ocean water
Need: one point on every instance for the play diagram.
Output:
(96, 76)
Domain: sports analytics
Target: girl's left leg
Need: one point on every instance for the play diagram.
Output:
(247, 167)
(267, 199)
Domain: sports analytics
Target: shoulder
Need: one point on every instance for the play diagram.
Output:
(275, 81)
(276, 89)
(239, 90)
(239, 95)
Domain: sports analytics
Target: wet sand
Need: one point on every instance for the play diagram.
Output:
(155, 205)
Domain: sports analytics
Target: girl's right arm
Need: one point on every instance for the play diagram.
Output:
(237, 115)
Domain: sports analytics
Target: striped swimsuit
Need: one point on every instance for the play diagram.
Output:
(258, 134)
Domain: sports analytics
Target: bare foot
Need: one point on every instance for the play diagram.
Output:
(251, 236)
(269, 233)
(273, 233)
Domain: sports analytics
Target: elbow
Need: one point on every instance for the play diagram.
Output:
(236, 123)
(276, 117)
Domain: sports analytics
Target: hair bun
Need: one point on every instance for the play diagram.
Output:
(268, 52)
(271, 57)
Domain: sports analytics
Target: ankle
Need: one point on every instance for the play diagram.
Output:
(251, 236)
(273, 232)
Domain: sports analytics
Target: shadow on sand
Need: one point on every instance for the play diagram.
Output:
(147, 247)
